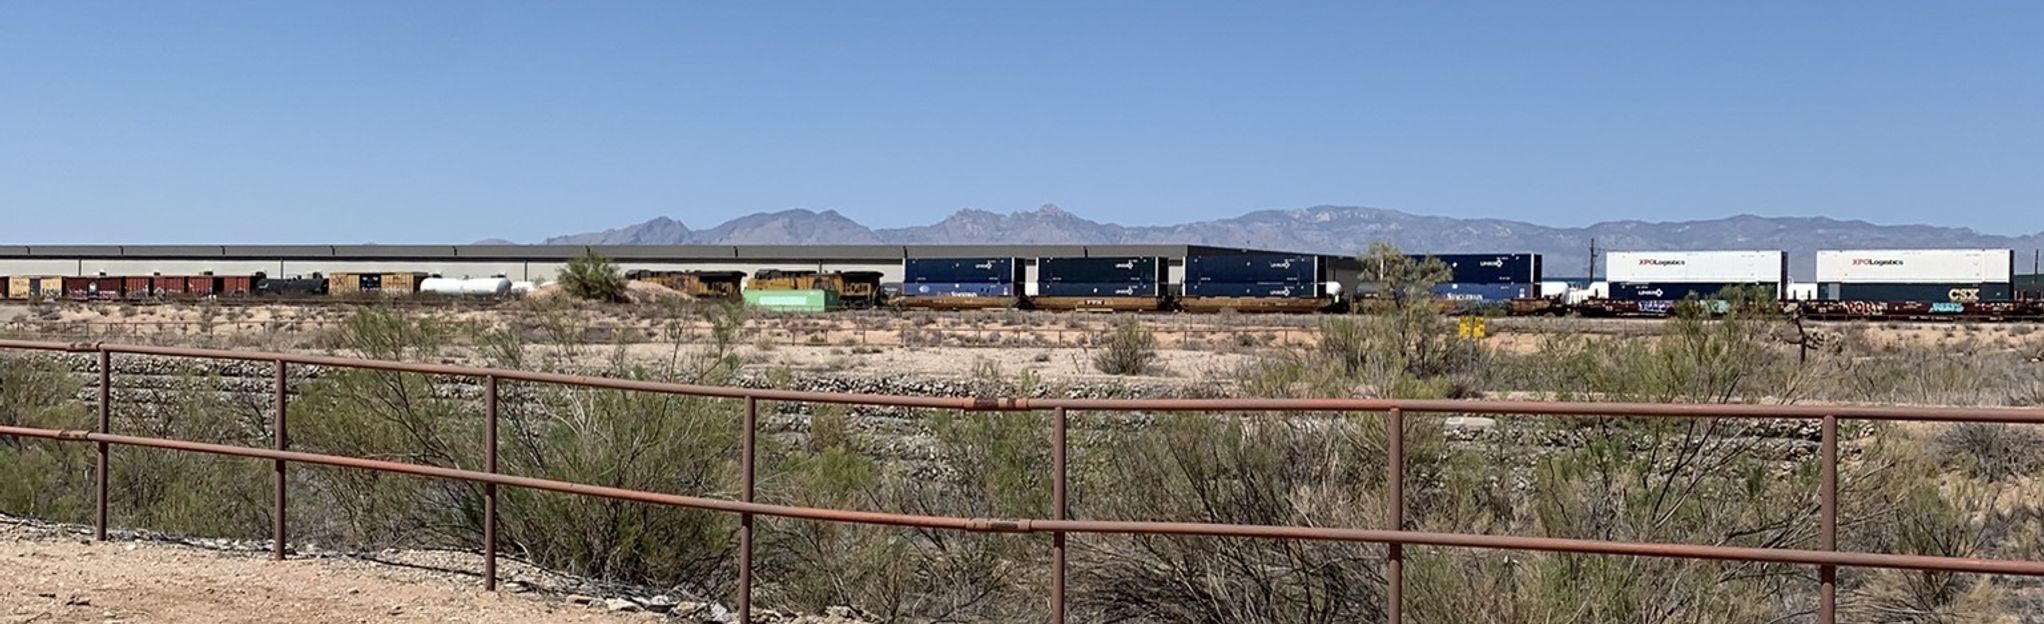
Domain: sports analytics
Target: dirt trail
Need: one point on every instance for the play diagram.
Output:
(58, 577)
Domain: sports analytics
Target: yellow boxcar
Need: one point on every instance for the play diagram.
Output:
(35, 287)
(343, 283)
(402, 283)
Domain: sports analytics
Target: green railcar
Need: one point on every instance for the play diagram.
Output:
(812, 300)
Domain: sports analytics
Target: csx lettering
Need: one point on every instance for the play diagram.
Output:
(1964, 295)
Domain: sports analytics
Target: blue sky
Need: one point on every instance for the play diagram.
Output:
(452, 121)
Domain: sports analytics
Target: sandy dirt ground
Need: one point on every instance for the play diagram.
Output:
(48, 577)
(1192, 347)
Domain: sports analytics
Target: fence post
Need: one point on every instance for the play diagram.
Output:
(280, 435)
(490, 489)
(1394, 516)
(1059, 511)
(746, 443)
(105, 426)
(1827, 531)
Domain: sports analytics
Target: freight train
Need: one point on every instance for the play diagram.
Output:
(1897, 284)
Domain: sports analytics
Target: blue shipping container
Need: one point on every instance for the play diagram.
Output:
(1081, 289)
(1232, 289)
(958, 270)
(1670, 291)
(1489, 268)
(1253, 269)
(958, 290)
(1099, 270)
(1484, 292)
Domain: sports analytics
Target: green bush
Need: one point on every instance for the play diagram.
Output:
(594, 278)
(1128, 350)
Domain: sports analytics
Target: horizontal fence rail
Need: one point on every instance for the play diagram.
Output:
(1827, 559)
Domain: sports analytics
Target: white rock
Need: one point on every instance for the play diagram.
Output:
(660, 604)
(620, 605)
(1475, 423)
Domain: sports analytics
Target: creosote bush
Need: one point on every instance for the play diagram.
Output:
(594, 278)
(1128, 349)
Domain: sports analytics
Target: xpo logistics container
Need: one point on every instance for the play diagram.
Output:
(1672, 275)
(1933, 275)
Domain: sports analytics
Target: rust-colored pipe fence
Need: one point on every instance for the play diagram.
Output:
(1826, 558)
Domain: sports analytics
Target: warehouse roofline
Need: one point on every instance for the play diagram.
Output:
(623, 252)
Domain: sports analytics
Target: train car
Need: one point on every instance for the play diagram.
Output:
(316, 285)
(232, 285)
(1256, 283)
(1926, 275)
(498, 287)
(698, 284)
(960, 283)
(794, 300)
(93, 288)
(1508, 268)
(855, 289)
(1130, 284)
(169, 286)
(392, 283)
(1676, 275)
(35, 287)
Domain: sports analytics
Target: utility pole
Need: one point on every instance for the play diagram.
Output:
(1593, 259)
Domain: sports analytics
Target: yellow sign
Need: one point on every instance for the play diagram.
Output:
(1470, 327)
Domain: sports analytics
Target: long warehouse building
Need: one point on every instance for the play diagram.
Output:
(544, 262)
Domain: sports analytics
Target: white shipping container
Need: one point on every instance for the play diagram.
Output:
(1802, 291)
(1915, 266)
(1711, 267)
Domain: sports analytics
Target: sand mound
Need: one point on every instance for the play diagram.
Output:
(635, 292)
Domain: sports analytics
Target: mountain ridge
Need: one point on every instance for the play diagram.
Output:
(1329, 229)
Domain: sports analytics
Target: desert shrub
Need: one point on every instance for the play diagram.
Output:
(594, 278)
(992, 465)
(192, 493)
(1991, 451)
(42, 478)
(1204, 468)
(1128, 349)
(621, 439)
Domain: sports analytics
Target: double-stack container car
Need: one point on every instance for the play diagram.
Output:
(1649, 280)
(1486, 280)
(1255, 283)
(1933, 275)
(1128, 284)
(960, 283)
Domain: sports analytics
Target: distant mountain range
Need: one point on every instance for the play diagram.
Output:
(1331, 230)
